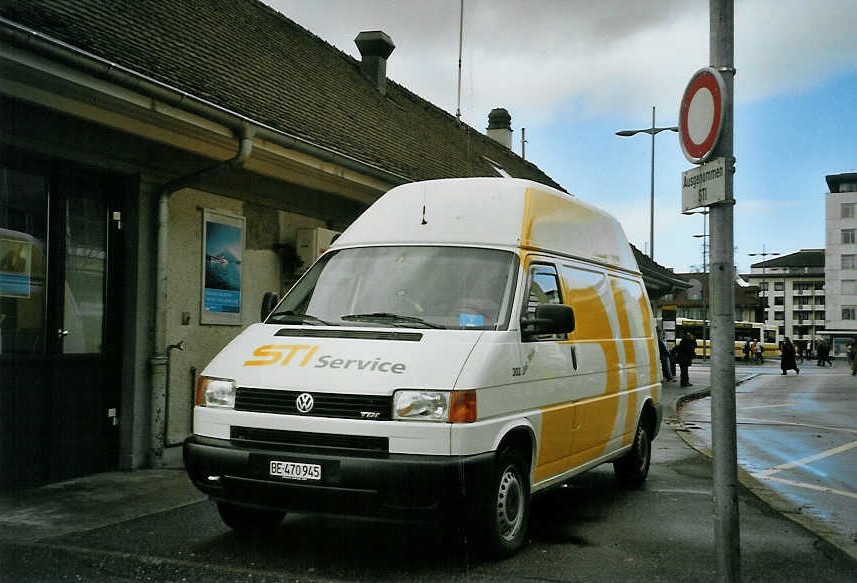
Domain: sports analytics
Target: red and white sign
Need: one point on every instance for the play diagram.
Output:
(700, 119)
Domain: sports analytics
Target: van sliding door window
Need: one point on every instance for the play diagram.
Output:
(544, 288)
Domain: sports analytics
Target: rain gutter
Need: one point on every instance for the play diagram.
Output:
(133, 80)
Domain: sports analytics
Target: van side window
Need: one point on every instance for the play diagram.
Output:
(544, 288)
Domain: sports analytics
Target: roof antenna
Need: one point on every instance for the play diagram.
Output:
(460, 42)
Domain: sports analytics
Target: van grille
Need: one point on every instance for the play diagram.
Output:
(341, 406)
(300, 441)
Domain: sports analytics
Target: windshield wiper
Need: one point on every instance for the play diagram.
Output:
(292, 318)
(387, 317)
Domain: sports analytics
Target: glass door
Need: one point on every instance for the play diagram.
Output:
(59, 327)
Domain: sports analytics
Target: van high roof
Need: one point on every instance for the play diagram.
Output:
(509, 213)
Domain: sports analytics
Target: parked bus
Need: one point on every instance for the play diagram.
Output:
(744, 331)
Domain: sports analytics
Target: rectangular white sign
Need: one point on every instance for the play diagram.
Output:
(703, 185)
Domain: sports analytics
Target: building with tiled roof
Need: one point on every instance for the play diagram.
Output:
(133, 133)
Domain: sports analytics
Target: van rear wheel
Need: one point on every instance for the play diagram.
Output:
(633, 467)
(500, 528)
(249, 520)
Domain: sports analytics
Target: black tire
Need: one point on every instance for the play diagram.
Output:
(249, 520)
(500, 528)
(633, 467)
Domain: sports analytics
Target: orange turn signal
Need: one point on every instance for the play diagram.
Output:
(462, 407)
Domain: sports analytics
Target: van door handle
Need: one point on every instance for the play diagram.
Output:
(574, 357)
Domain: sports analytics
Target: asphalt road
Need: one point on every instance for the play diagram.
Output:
(797, 437)
(151, 525)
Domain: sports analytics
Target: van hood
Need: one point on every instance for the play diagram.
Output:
(374, 361)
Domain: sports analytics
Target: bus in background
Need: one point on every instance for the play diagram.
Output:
(753, 331)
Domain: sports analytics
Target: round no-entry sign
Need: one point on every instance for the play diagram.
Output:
(700, 118)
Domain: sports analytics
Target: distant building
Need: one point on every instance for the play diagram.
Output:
(693, 302)
(840, 271)
(792, 294)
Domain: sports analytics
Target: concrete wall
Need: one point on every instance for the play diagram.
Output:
(262, 271)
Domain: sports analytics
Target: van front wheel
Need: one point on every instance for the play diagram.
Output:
(249, 520)
(502, 527)
(633, 467)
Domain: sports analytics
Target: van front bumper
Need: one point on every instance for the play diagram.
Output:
(388, 485)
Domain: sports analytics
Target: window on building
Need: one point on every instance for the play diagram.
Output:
(849, 312)
(779, 286)
(849, 287)
(782, 330)
(779, 316)
(849, 261)
(779, 301)
(819, 301)
(819, 286)
(848, 236)
(847, 210)
(763, 286)
(819, 315)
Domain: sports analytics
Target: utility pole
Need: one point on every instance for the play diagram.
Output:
(727, 536)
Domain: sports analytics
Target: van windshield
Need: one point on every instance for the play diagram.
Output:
(408, 286)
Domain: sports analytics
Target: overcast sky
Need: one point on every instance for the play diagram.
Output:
(574, 72)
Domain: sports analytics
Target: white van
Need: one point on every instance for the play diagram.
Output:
(465, 344)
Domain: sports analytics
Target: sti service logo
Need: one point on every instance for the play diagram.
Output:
(303, 355)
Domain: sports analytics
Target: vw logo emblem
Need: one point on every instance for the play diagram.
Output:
(304, 403)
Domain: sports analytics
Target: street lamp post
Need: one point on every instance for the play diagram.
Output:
(653, 131)
(764, 253)
(704, 237)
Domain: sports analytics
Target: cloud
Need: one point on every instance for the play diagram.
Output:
(580, 58)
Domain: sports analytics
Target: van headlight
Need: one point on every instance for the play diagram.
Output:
(214, 392)
(428, 405)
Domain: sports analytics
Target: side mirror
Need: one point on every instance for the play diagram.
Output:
(549, 319)
(269, 302)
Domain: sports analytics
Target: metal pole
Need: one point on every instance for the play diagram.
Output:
(652, 194)
(727, 536)
(705, 297)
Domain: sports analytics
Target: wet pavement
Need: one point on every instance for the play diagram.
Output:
(797, 445)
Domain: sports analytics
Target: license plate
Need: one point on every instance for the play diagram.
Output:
(295, 470)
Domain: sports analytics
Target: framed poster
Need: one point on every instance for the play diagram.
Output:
(222, 249)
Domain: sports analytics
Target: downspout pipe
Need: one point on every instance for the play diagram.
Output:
(160, 358)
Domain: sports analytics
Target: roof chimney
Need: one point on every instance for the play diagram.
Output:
(375, 46)
(500, 126)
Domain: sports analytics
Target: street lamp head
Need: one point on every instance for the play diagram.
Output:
(628, 133)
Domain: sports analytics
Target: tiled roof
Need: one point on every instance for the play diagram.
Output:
(246, 57)
(802, 258)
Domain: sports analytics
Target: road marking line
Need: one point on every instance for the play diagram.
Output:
(806, 486)
(767, 406)
(807, 460)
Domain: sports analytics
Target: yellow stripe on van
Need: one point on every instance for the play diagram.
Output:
(621, 301)
(651, 344)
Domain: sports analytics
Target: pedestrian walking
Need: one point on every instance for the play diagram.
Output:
(787, 357)
(824, 357)
(747, 346)
(852, 356)
(665, 358)
(684, 356)
(800, 348)
(760, 348)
